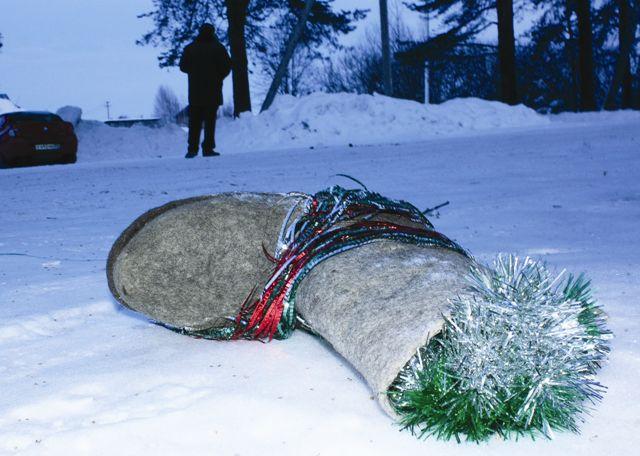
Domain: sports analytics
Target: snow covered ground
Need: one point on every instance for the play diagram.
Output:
(80, 375)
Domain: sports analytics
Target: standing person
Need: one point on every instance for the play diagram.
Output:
(207, 63)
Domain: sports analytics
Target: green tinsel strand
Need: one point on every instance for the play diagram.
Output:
(518, 357)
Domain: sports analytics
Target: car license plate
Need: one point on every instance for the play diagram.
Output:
(47, 146)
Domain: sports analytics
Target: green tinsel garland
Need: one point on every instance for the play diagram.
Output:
(517, 357)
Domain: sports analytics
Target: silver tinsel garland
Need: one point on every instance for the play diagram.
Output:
(518, 354)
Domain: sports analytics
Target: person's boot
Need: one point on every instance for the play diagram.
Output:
(191, 154)
(210, 153)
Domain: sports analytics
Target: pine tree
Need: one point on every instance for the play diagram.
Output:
(465, 19)
(243, 25)
(627, 24)
(568, 56)
(550, 71)
(320, 35)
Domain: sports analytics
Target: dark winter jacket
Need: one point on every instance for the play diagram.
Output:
(207, 63)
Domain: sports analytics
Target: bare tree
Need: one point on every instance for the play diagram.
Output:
(167, 105)
(359, 69)
(298, 77)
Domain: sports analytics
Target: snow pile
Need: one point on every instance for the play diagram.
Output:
(71, 114)
(322, 119)
(313, 121)
(586, 118)
(99, 142)
(7, 105)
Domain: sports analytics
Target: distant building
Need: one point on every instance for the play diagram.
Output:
(153, 122)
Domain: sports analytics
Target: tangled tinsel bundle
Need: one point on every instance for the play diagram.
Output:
(517, 356)
(335, 220)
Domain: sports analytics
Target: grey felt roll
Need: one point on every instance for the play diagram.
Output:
(193, 262)
(377, 304)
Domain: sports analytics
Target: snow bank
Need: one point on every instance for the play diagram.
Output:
(315, 120)
(324, 119)
(8, 106)
(99, 142)
(71, 114)
(584, 118)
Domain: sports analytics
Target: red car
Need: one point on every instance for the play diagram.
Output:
(33, 137)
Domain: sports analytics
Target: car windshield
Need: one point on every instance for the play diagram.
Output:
(32, 117)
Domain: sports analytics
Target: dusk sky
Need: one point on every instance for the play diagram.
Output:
(83, 53)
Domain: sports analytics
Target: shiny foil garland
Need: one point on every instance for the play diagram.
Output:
(516, 357)
(333, 221)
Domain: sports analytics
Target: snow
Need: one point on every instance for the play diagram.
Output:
(71, 114)
(81, 375)
(8, 106)
(99, 142)
(316, 120)
(335, 119)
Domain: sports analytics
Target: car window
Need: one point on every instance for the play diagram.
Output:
(34, 117)
(2, 121)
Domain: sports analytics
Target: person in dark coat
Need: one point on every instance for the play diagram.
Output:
(207, 63)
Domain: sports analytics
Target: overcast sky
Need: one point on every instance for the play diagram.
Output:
(83, 53)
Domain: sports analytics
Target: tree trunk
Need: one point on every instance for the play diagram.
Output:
(507, 52)
(627, 29)
(288, 53)
(585, 51)
(622, 74)
(237, 19)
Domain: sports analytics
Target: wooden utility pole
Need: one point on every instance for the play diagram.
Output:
(386, 49)
(427, 75)
(288, 53)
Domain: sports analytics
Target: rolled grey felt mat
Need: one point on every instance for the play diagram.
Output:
(192, 263)
(377, 304)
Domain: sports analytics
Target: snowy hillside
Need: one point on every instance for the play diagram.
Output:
(81, 375)
(313, 121)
